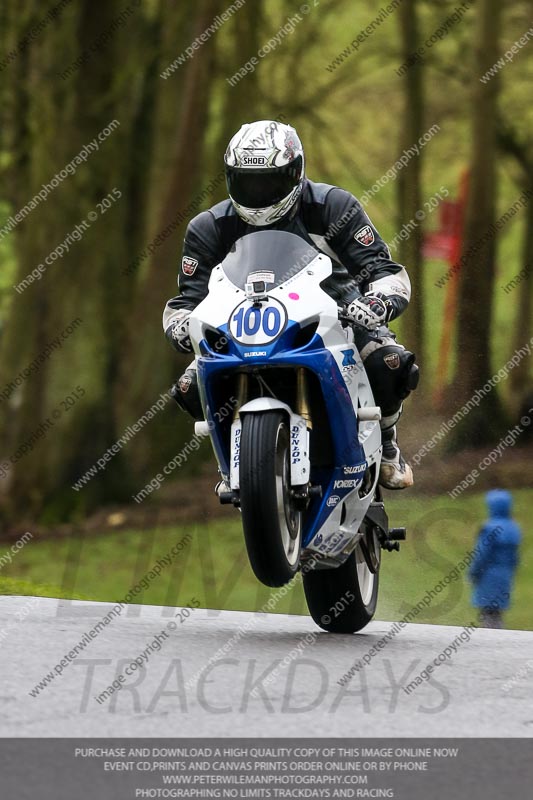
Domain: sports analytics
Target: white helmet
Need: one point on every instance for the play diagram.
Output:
(265, 171)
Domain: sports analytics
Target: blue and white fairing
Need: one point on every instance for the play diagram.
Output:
(230, 333)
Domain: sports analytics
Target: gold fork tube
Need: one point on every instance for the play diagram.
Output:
(242, 391)
(302, 400)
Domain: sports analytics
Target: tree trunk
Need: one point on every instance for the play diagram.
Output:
(409, 180)
(51, 120)
(148, 365)
(476, 286)
(520, 381)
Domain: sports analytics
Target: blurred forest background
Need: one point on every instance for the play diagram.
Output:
(81, 71)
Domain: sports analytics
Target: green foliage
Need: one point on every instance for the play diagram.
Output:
(8, 270)
(167, 149)
(28, 588)
(213, 567)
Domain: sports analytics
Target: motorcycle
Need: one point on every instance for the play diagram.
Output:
(294, 426)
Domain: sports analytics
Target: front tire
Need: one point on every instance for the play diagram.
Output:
(343, 599)
(271, 522)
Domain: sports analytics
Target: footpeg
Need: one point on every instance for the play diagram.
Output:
(391, 540)
(397, 534)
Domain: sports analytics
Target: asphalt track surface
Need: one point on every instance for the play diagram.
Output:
(269, 675)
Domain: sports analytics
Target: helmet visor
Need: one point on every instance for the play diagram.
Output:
(260, 188)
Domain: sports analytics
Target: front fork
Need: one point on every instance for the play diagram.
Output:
(303, 494)
(303, 491)
(242, 394)
(302, 401)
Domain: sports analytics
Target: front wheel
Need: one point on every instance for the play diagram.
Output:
(344, 599)
(271, 522)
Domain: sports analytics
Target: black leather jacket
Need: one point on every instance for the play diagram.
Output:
(329, 218)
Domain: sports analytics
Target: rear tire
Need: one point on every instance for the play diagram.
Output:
(272, 525)
(342, 599)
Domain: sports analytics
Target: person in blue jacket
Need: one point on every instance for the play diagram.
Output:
(495, 561)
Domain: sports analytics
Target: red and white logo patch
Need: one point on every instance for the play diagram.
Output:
(185, 383)
(392, 360)
(188, 265)
(365, 236)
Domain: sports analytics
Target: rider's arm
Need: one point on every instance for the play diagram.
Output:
(363, 252)
(200, 254)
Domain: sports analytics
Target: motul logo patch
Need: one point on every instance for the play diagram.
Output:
(188, 265)
(365, 236)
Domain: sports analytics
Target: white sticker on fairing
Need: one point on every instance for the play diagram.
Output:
(267, 277)
(251, 324)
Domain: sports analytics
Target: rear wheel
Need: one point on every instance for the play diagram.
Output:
(272, 524)
(343, 599)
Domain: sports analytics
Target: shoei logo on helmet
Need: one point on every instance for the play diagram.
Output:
(254, 161)
(365, 236)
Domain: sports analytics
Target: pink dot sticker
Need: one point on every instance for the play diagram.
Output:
(294, 296)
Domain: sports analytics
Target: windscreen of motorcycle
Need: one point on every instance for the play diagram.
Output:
(269, 256)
